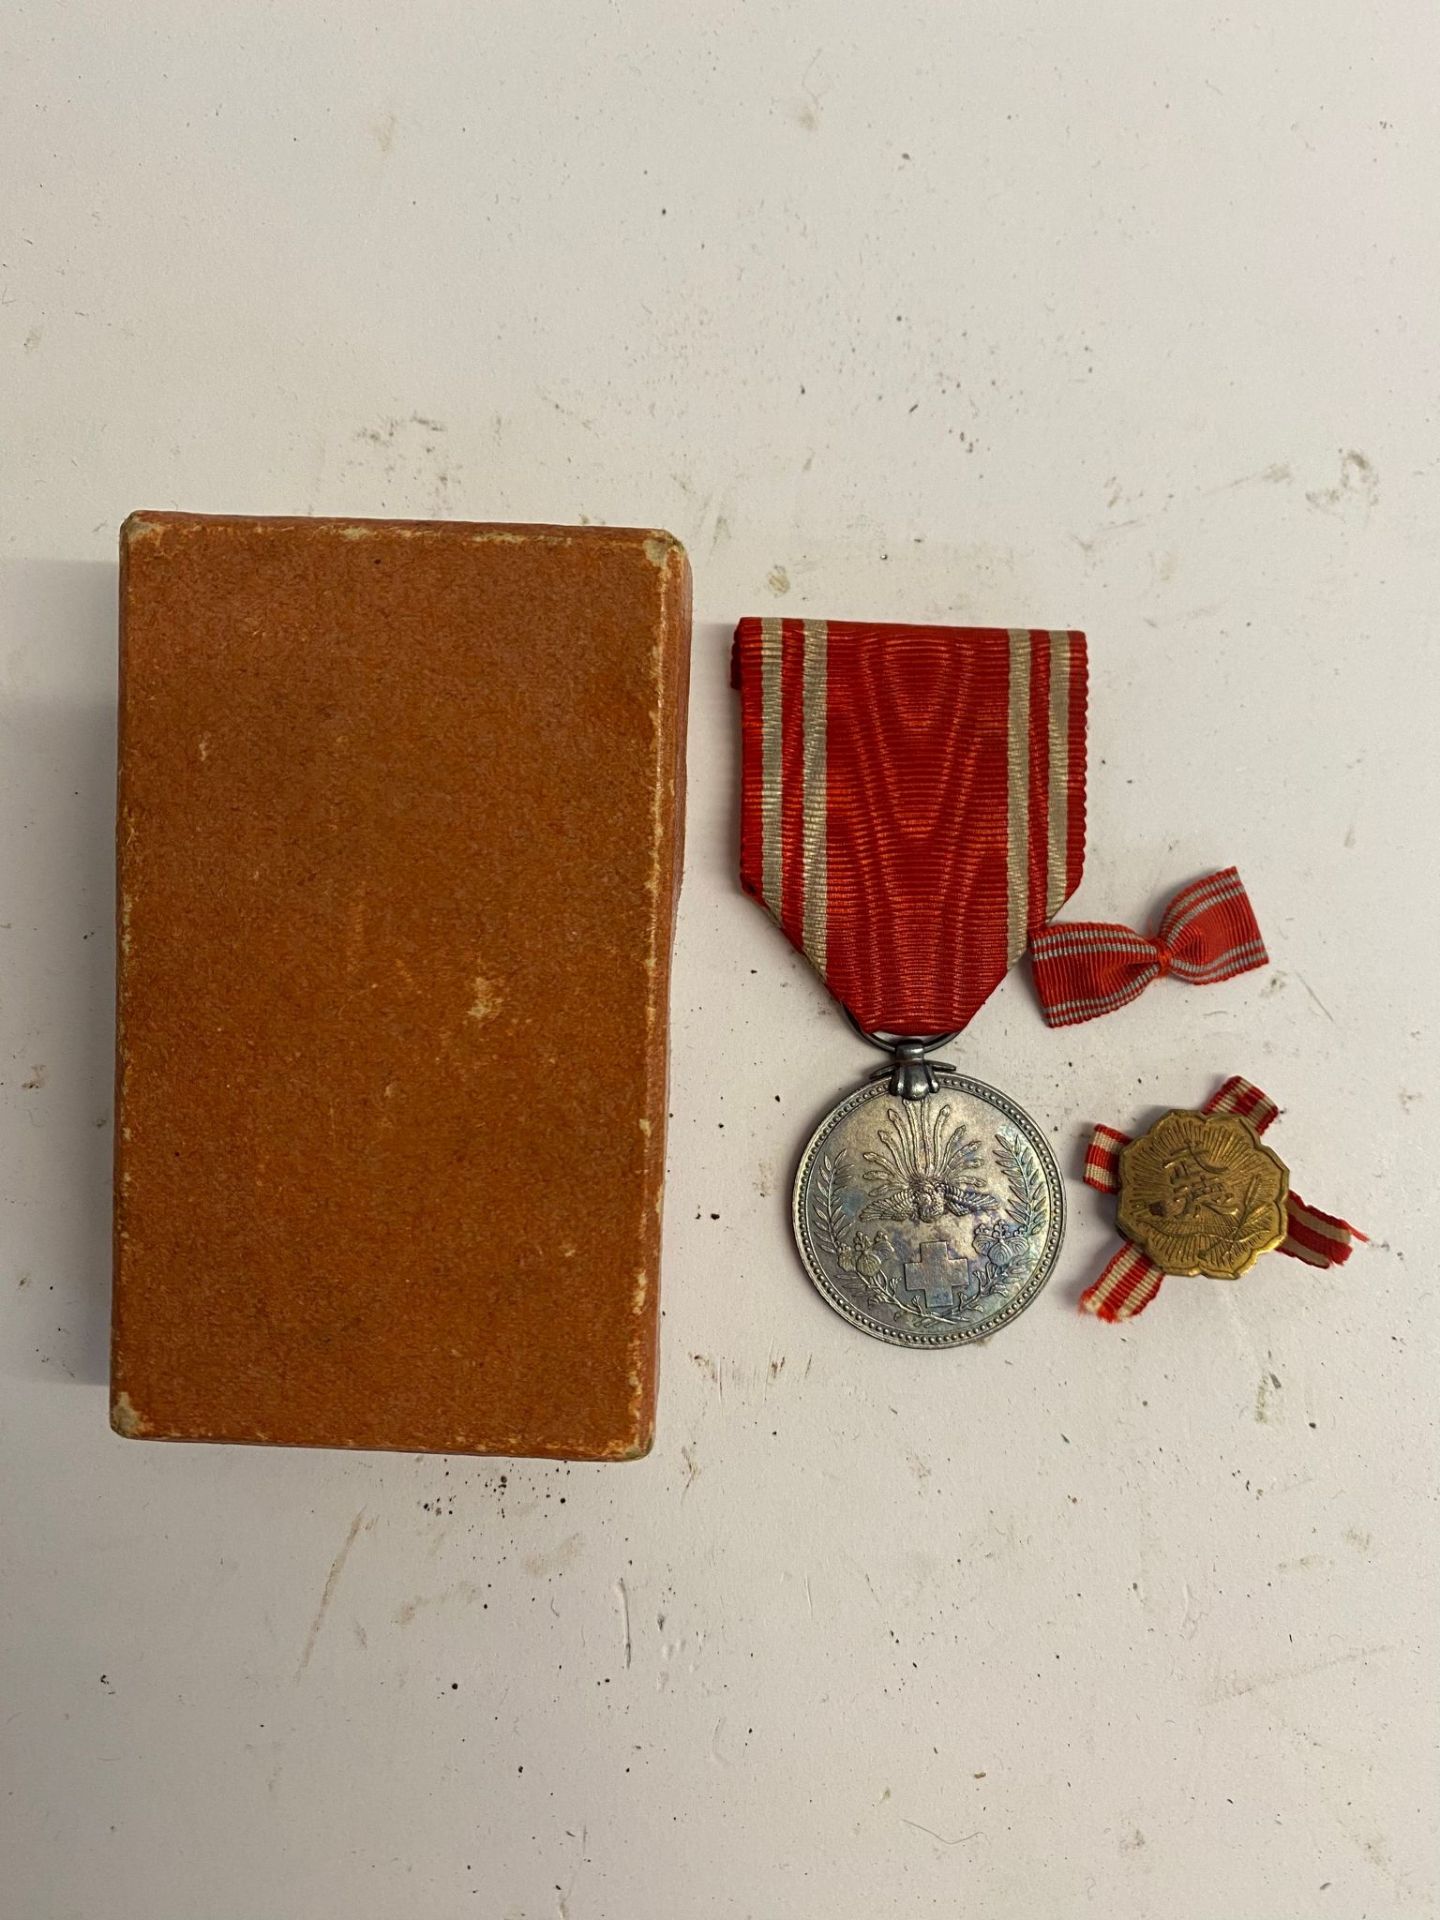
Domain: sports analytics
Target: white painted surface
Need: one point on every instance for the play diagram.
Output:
(1106, 315)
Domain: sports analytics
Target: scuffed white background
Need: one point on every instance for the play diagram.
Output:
(1112, 316)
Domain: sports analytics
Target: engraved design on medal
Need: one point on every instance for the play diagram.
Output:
(1201, 1193)
(929, 1222)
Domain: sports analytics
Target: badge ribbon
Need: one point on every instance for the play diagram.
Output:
(1204, 1198)
(912, 804)
(1085, 968)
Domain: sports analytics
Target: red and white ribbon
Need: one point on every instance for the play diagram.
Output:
(1131, 1280)
(1208, 933)
(912, 803)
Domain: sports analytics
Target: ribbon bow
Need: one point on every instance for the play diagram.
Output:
(1207, 933)
(1132, 1279)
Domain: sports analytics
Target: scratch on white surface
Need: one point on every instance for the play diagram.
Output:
(1357, 479)
(870, 1584)
(1242, 1684)
(332, 1581)
(555, 1559)
(441, 1535)
(1239, 1327)
(1315, 997)
(1269, 1383)
(1275, 475)
(406, 1612)
(1292, 1486)
(1376, 1849)
(622, 1594)
(566, 413)
(714, 1371)
(808, 114)
(958, 1841)
(1191, 1614)
(1280, 980)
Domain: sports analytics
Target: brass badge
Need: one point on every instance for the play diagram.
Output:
(1199, 1193)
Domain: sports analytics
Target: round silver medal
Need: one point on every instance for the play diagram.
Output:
(929, 1222)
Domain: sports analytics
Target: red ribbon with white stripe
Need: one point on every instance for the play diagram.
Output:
(1131, 1280)
(912, 803)
(1208, 933)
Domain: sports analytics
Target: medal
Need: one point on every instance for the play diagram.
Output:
(888, 1188)
(912, 812)
(1201, 1193)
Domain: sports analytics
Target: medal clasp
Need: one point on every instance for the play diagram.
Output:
(912, 1076)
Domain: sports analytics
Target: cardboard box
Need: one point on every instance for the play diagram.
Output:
(399, 847)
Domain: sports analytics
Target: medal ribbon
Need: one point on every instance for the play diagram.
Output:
(1085, 968)
(1131, 1280)
(912, 803)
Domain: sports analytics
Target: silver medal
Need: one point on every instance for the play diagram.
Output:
(928, 1208)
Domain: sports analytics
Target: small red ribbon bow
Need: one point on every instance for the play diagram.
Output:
(1207, 933)
(1131, 1280)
